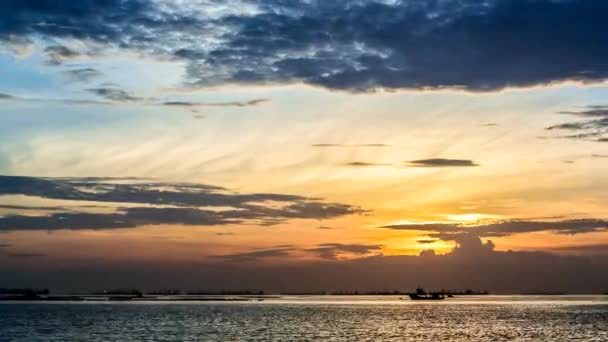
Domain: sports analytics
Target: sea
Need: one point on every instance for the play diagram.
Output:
(312, 318)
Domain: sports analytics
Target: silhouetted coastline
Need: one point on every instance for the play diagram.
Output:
(26, 294)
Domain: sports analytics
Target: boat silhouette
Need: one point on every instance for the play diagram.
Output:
(420, 294)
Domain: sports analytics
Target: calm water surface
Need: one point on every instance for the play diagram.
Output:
(488, 318)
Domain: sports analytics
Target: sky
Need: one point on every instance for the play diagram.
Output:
(304, 145)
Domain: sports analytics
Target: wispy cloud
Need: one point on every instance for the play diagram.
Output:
(82, 74)
(440, 162)
(364, 164)
(248, 103)
(327, 251)
(256, 255)
(117, 96)
(349, 145)
(451, 231)
(58, 54)
(594, 125)
(138, 203)
(114, 94)
(332, 251)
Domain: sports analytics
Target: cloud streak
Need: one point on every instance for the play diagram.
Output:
(138, 203)
(454, 231)
(326, 251)
(116, 96)
(593, 127)
(440, 162)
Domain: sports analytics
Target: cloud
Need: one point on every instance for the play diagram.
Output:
(327, 251)
(363, 164)
(594, 127)
(248, 103)
(439, 162)
(139, 203)
(25, 255)
(58, 54)
(426, 241)
(256, 255)
(454, 231)
(114, 94)
(349, 145)
(595, 249)
(19, 46)
(332, 251)
(344, 45)
(82, 74)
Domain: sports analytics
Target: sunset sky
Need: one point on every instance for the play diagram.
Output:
(247, 141)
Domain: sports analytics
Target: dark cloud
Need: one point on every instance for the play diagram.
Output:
(426, 241)
(58, 54)
(448, 231)
(82, 75)
(599, 156)
(328, 251)
(596, 249)
(25, 255)
(185, 201)
(13, 98)
(23, 207)
(594, 125)
(346, 45)
(439, 162)
(332, 251)
(248, 103)
(256, 255)
(114, 94)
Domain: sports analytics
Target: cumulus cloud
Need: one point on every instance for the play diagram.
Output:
(345, 45)
(439, 162)
(138, 203)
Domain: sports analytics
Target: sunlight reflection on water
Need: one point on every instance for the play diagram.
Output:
(339, 318)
